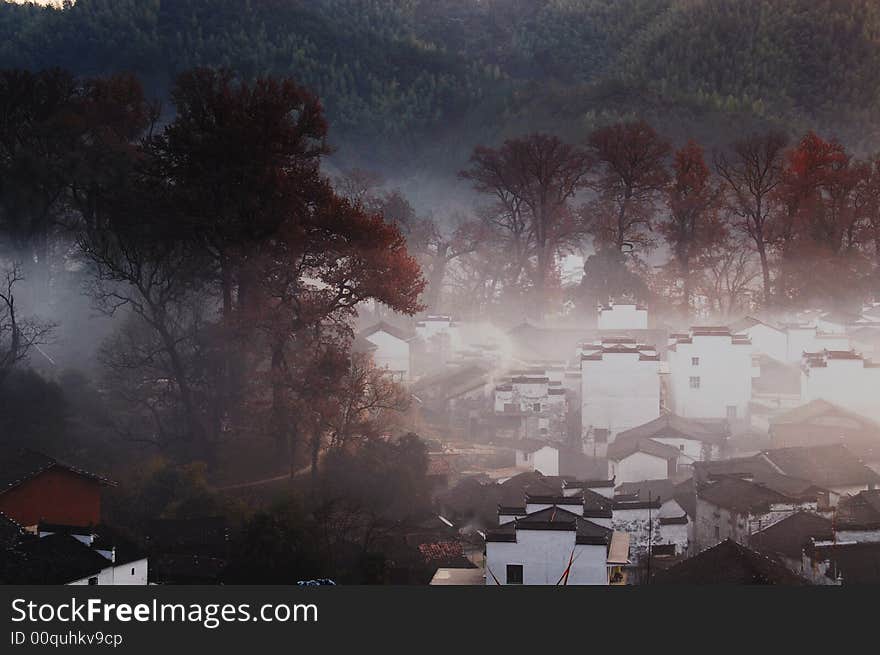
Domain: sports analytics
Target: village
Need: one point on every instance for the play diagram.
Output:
(622, 454)
(491, 293)
(632, 453)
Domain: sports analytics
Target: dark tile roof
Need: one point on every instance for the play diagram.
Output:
(673, 426)
(729, 563)
(553, 518)
(599, 483)
(401, 333)
(852, 563)
(575, 464)
(451, 383)
(10, 531)
(56, 559)
(789, 536)
(661, 490)
(821, 410)
(621, 449)
(826, 465)
(16, 466)
(741, 495)
(735, 466)
(685, 495)
(859, 512)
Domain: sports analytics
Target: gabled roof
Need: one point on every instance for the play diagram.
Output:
(742, 496)
(747, 322)
(820, 408)
(827, 466)
(678, 427)
(859, 512)
(56, 559)
(18, 466)
(662, 490)
(513, 490)
(789, 536)
(451, 383)
(729, 563)
(621, 449)
(400, 333)
(553, 518)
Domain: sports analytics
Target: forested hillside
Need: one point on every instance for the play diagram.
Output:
(402, 78)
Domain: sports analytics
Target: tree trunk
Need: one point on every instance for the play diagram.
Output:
(765, 268)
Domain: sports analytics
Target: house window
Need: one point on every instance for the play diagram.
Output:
(93, 581)
(681, 446)
(132, 570)
(537, 407)
(514, 574)
(695, 382)
(695, 361)
(731, 412)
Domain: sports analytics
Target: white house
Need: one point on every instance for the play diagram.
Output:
(665, 446)
(622, 316)
(439, 333)
(710, 375)
(671, 521)
(844, 378)
(808, 338)
(766, 339)
(642, 459)
(620, 389)
(548, 547)
(76, 556)
(392, 349)
(539, 401)
(736, 508)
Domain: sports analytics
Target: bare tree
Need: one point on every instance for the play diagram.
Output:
(534, 180)
(752, 171)
(730, 271)
(18, 335)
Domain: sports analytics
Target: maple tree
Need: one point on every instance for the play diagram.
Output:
(692, 224)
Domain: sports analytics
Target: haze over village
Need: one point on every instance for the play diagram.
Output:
(294, 313)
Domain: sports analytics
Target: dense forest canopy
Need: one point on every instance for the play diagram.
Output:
(426, 80)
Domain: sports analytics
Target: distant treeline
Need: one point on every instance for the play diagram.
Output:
(392, 72)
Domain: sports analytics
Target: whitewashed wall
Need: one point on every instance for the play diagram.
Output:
(544, 555)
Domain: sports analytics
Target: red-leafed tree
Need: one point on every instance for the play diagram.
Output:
(692, 224)
(820, 222)
(324, 260)
(628, 178)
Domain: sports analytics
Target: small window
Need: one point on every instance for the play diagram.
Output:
(537, 407)
(718, 533)
(695, 361)
(132, 570)
(731, 412)
(93, 581)
(681, 446)
(695, 382)
(514, 574)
